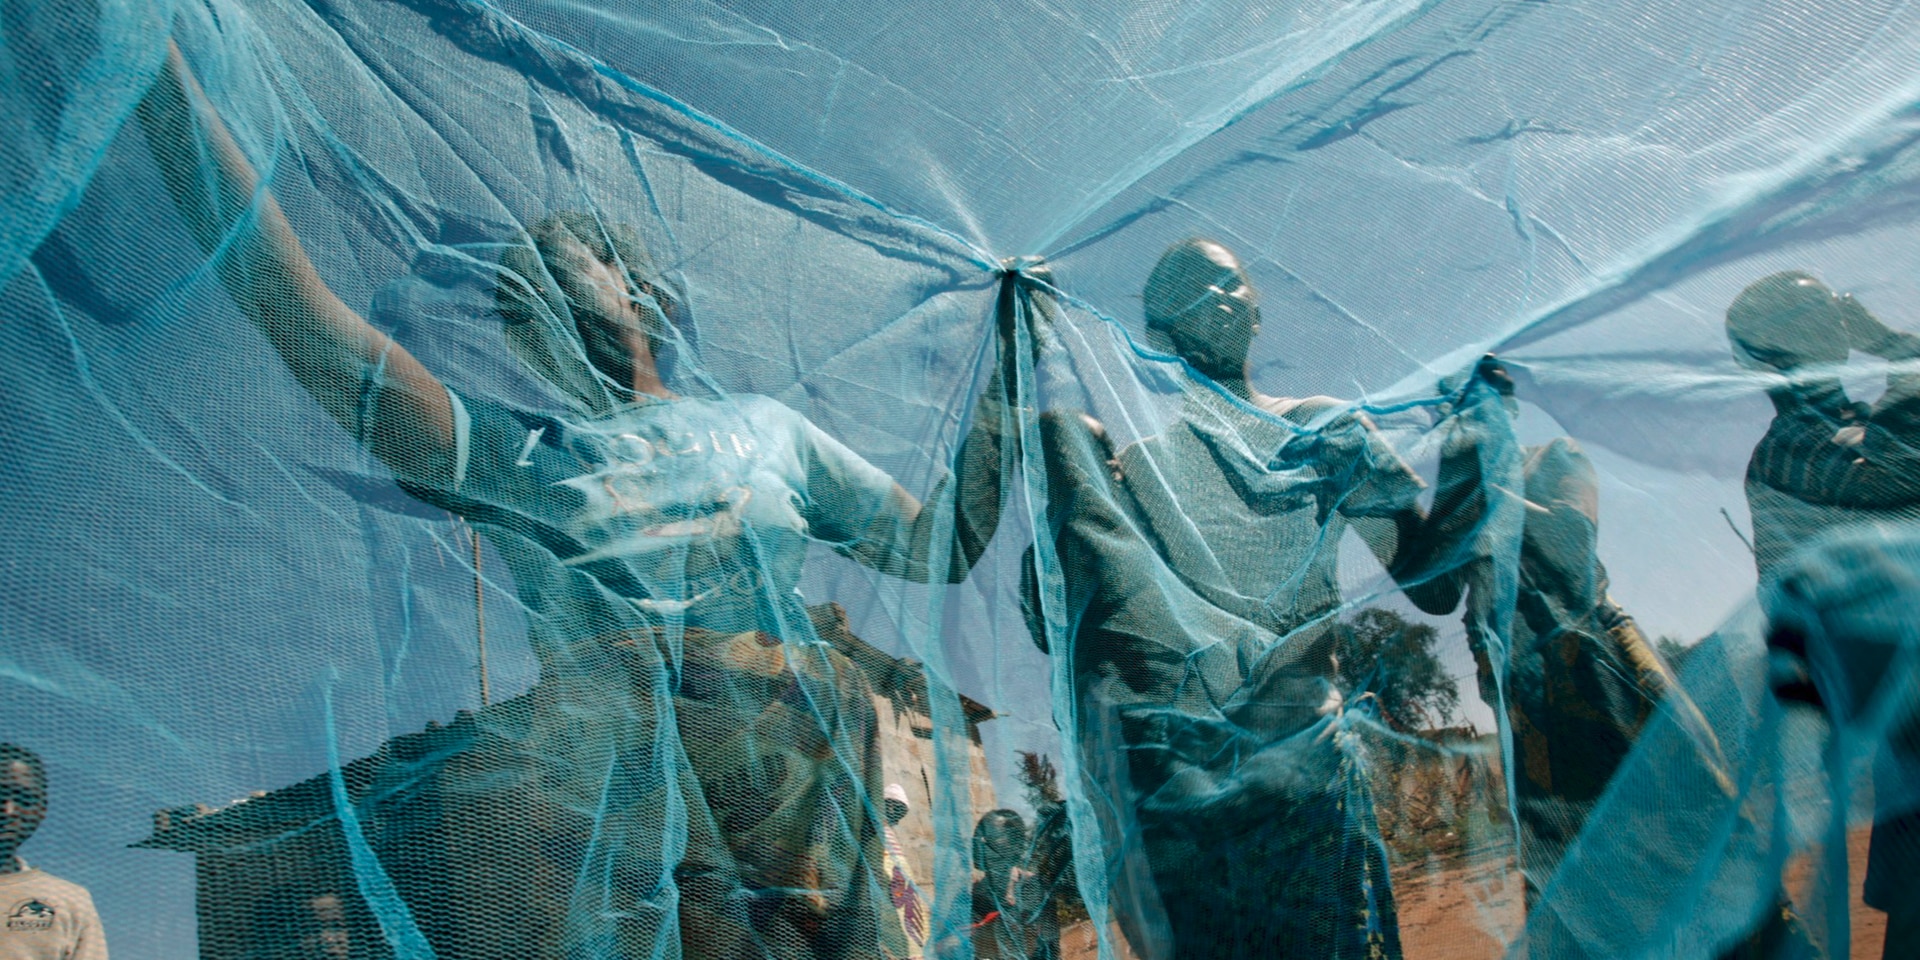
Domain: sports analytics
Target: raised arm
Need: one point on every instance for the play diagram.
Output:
(1427, 549)
(370, 385)
(1415, 544)
(906, 538)
(1891, 436)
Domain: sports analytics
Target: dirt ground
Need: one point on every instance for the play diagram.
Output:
(1869, 925)
(1448, 915)
(1464, 913)
(1468, 912)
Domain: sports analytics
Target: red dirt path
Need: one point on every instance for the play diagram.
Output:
(1465, 912)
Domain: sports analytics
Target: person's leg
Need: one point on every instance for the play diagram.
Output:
(1903, 935)
(1893, 882)
(1893, 854)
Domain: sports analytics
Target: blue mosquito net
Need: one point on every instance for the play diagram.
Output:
(1325, 479)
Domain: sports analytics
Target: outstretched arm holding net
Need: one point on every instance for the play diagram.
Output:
(656, 542)
(394, 405)
(1427, 550)
(935, 541)
(363, 379)
(1430, 550)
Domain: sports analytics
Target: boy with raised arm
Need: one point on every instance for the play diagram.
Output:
(711, 771)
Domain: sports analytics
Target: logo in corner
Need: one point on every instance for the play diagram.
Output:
(30, 915)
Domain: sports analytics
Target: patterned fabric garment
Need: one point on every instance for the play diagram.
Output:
(1200, 566)
(908, 903)
(780, 859)
(1826, 462)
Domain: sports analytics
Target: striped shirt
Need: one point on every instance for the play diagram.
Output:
(1826, 462)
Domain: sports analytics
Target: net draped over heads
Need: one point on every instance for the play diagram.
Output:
(1349, 478)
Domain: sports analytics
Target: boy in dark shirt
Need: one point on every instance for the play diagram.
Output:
(1828, 465)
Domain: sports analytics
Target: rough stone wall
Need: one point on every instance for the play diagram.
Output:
(906, 751)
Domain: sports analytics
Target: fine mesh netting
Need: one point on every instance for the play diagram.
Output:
(1034, 480)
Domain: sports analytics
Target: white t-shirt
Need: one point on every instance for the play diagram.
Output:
(697, 508)
(43, 917)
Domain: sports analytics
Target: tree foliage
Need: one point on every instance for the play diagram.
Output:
(1672, 651)
(1051, 856)
(1379, 654)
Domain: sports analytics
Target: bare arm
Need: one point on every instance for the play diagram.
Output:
(906, 538)
(1426, 551)
(1415, 544)
(370, 385)
(977, 478)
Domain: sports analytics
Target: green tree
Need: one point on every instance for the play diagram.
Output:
(1672, 651)
(1051, 856)
(1380, 654)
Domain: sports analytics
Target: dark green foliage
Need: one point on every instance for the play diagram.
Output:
(1051, 858)
(1381, 655)
(1672, 651)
